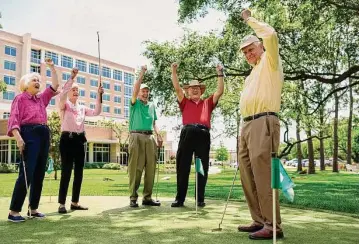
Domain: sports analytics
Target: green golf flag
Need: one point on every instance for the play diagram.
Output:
(286, 184)
(50, 168)
(199, 167)
(275, 179)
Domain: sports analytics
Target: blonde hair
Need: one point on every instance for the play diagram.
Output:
(26, 79)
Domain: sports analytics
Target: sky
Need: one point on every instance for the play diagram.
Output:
(123, 25)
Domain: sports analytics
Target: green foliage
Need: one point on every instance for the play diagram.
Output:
(3, 86)
(222, 154)
(7, 168)
(113, 166)
(54, 124)
(95, 165)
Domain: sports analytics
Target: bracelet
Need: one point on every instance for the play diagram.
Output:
(220, 75)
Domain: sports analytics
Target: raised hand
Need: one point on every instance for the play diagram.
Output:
(74, 72)
(245, 14)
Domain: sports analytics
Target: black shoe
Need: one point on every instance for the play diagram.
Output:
(177, 204)
(201, 204)
(133, 204)
(78, 207)
(151, 203)
(62, 210)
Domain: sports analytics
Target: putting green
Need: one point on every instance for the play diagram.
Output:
(110, 220)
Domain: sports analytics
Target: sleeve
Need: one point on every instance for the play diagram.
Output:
(155, 113)
(210, 102)
(14, 119)
(63, 94)
(47, 95)
(94, 112)
(182, 104)
(270, 40)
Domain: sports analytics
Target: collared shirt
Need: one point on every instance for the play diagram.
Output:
(197, 113)
(73, 115)
(28, 109)
(142, 116)
(262, 88)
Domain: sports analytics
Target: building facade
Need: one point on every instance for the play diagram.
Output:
(20, 55)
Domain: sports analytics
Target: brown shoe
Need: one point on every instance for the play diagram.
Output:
(250, 228)
(265, 234)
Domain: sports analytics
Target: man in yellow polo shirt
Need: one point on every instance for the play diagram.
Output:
(142, 145)
(259, 104)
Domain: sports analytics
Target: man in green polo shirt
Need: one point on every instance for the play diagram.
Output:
(142, 145)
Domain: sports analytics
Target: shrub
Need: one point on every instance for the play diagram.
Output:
(113, 166)
(7, 168)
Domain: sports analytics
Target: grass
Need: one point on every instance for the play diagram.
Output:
(110, 220)
(322, 191)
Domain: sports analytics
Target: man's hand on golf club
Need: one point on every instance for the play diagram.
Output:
(159, 141)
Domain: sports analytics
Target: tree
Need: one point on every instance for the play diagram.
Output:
(54, 124)
(222, 154)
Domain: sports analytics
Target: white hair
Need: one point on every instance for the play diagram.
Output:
(26, 79)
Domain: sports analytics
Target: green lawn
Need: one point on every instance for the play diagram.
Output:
(324, 190)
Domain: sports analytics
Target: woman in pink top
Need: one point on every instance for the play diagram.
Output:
(73, 139)
(27, 123)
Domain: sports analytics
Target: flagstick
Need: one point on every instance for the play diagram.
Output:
(274, 217)
(50, 186)
(195, 166)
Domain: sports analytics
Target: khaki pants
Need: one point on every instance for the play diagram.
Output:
(254, 153)
(142, 156)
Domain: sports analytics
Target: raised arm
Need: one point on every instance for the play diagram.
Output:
(98, 106)
(175, 82)
(268, 34)
(67, 88)
(55, 79)
(220, 84)
(137, 84)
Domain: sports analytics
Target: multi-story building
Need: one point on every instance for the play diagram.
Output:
(20, 55)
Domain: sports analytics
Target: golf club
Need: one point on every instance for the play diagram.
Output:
(225, 208)
(158, 171)
(26, 184)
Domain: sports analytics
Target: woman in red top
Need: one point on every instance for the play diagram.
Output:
(27, 124)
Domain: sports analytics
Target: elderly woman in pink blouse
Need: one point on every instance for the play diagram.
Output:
(27, 124)
(73, 139)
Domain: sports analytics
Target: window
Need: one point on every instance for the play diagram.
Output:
(4, 151)
(35, 56)
(8, 95)
(94, 83)
(93, 94)
(81, 65)
(101, 152)
(9, 80)
(127, 101)
(81, 80)
(48, 73)
(9, 65)
(117, 110)
(92, 105)
(93, 69)
(66, 76)
(106, 72)
(53, 56)
(106, 85)
(106, 97)
(117, 75)
(52, 102)
(15, 153)
(67, 62)
(128, 90)
(48, 85)
(81, 93)
(82, 103)
(34, 68)
(126, 113)
(6, 115)
(117, 99)
(10, 51)
(105, 108)
(117, 87)
(128, 79)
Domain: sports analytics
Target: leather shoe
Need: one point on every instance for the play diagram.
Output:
(265, 234)
(151, 203)
(201, 204)
(62, 210)
(177, 204)
(78, 207)
(133, 204)
(250, 228)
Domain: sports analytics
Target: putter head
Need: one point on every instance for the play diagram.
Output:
(217, 229)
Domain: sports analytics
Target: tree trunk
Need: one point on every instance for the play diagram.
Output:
(55, 175)
(299, 145)
(311, 166)
(350, 124)
(335, 133)
(321, 141)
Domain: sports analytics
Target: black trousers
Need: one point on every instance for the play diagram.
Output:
(37, 143)
(72, 149)
(195, 140)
